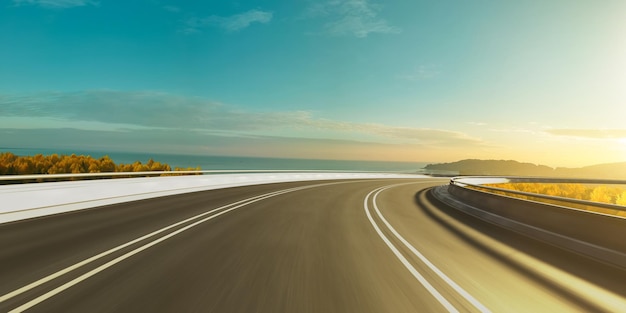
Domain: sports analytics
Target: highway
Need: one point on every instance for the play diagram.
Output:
(376, 245)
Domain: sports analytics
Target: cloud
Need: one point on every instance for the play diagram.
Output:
(55, 4)
(590, 133)
(162, 111)
(143, 108)
(401, 134)
(356, 18)
(230, 23)
(431, 136)
(194, 142)
(516, 130)
(423, 72)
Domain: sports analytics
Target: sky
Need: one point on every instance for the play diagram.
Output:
(425, 81)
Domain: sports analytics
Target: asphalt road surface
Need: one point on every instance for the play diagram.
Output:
(337, 246)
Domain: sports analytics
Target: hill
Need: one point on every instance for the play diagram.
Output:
(515, 168)
(608, 171)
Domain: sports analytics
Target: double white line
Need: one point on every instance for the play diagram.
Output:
(442, 300)
(199, 219)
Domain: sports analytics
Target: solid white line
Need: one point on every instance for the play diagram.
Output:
(105, 253)
(115, 261)
(449, 307)
(430, 265)
(81, 278)
(39, 282)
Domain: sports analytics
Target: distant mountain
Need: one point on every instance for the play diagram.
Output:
(608, 171)
(515, 168)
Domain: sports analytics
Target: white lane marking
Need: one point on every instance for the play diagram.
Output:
(449, 307)
(100, 268)
(238, 204)
(127, 255)
(430, 265)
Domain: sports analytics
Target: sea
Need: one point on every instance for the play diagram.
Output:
(208, 162)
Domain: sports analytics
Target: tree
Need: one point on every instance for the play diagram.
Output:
(11, 164)
(621, 199)
(106, 164)
(603, 194)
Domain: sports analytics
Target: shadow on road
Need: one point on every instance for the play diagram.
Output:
(600, 274)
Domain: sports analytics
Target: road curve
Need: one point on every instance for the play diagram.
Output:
(336, 246)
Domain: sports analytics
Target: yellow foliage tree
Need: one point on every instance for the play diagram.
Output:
(11, 164)
(605, 194)
(621, 199)
(600, 194)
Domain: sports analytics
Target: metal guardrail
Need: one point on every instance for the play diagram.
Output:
(556, 222)
(173, 173)
(84, 175)
(458, 181)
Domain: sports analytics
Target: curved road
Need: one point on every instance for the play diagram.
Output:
(336, 246)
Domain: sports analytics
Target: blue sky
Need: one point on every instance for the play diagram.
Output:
(537, 81)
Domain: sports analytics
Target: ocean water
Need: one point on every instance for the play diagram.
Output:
(237, 163)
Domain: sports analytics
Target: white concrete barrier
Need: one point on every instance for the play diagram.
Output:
(21, 201)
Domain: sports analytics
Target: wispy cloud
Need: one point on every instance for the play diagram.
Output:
(403, 134)
(55, 4)
(357, 18)
(229, 23)
(193, 142)
(589, 133)
(516, 130)
(431, 136)
(423, 72)
(165, 111)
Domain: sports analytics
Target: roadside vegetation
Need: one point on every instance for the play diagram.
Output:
(11, 164)
(596, 193)
(602, 193)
